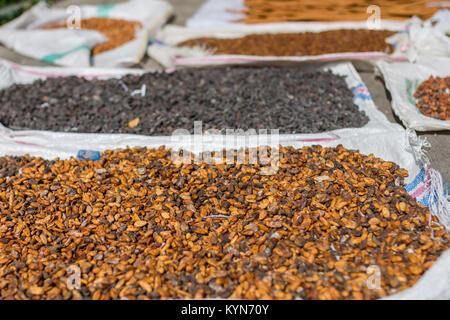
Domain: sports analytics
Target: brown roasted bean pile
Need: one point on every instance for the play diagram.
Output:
(263, 11)
(118, 31)
(434, 98)
(298, 44)
(138, 226)
(10, 166)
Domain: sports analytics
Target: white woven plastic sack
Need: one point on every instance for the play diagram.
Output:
(379, 137)
(426, 40)
(217, 13)
(166, 52)
(72, 47)
(64, 47)
(441, 19)
(402, 80)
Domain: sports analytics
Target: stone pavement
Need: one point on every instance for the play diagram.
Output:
(439, 153)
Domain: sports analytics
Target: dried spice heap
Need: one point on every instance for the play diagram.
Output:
(10, 166)
(138, 225)
(262, 11)
(298, 44)
(118, 31)
(434, 98)
(239, 98)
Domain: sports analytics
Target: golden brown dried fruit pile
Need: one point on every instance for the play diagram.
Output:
(139, 226)
(10, 165)
(298, 44)
(262, 11)
(118, 31)
(433, 97)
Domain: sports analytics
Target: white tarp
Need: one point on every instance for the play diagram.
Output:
(379, 137)
(166, 52)
(217, 13)
(71, 47)
(426, 41)
(442, 20)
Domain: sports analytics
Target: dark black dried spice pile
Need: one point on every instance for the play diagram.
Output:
(288, 99)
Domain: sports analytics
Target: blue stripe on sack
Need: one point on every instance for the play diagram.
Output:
(446, 188)
(428, 200)
(51, 58)
(361, 95)
(358, 86)
(425, 201)
(156, 41)
(435, 198)
(103, 11)
(418, 179)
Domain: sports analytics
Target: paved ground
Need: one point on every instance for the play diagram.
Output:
(439, 153)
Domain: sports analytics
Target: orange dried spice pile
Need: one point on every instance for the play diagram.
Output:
(139, 226)
(118, 31)
(433, 97)
(298, 44)
(263, 11)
